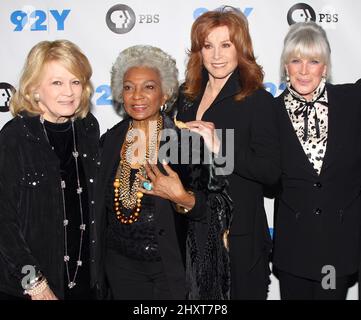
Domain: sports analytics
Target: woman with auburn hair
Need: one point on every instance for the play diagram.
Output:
(223, 90)
(47, 167)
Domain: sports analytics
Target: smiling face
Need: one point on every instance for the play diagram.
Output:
(305, 75)
(142, 93)
(59, 92)
(219, 53)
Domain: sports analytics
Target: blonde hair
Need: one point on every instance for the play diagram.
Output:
(306, 40)
(64, 52)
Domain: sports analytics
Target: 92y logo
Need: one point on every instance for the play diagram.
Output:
(29, 18)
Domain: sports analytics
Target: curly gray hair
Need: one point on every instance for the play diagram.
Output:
(146, 56)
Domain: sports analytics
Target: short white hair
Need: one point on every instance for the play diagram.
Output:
(306, 40)
(146, 56)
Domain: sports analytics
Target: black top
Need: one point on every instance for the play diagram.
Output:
(137, 240)
(61, 138)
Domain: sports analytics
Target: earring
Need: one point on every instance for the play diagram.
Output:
(163, 108)
(36, 97)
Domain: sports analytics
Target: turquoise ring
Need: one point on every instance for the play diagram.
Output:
(147, 185)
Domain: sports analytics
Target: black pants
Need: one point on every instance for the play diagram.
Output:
(247, 283)
(293, 287)
(136, 280)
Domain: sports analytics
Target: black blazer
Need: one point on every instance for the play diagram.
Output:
(256, 156)
(318, 218)
(171, 226)
(31, 209)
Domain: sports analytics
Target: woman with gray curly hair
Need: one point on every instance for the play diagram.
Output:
(145, 205)
(151, 57)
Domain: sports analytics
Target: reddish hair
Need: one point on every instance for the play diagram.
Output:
(251, 74)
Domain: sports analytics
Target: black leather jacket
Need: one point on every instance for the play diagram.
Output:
(31, 214)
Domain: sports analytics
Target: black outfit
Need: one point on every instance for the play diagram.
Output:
(61, 138)
(133, 261)
(31, 206)
(256, 162)
(134, 274)
(137, 241)
(298, 288)
(318, 218)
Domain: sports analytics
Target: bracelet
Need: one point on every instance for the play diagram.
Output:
(38, 288)
(180, 209)
(34, 281)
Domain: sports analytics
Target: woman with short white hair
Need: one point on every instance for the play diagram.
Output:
(317, 224)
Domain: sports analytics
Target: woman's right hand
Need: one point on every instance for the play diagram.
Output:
(46, 294)
(208, 132)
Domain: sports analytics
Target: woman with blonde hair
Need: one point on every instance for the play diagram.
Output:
(47, 166)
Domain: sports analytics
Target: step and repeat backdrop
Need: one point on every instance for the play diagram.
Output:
(102, 28)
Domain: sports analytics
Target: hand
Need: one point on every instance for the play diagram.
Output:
(225, 239)
(167, 186)
(207, 131)
(47, 294)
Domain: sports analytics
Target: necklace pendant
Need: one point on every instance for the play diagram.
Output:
(66, 222)
(79, 263)
(71, 285)
(82, 227)
(79, 190)
(66, 258)
(63, 185)
(75, 154)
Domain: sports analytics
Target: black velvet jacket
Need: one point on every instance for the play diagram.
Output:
(31, 209)
(184, 240)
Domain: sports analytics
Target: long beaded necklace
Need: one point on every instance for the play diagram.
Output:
(125, 194)
(79, 190)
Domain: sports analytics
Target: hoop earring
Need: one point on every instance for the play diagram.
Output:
(36, 97)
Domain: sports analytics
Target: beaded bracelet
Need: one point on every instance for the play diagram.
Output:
(38, 288)
(34, 281)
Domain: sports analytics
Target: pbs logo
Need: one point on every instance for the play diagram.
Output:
(120, 18)
(6, 92)
(301, 12)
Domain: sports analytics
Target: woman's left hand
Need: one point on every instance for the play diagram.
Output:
(167, 186)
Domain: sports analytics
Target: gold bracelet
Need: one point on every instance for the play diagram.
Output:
(180, 209)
